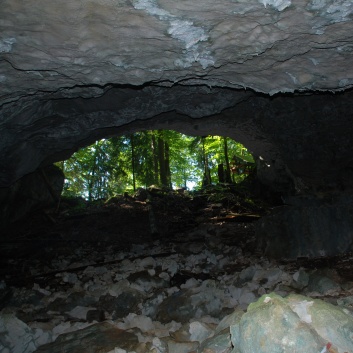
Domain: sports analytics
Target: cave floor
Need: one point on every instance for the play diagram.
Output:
(136, 264)
(124, 222)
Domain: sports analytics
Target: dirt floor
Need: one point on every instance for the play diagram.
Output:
(169, 217)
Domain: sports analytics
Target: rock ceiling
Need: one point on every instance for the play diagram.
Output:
(73, 71)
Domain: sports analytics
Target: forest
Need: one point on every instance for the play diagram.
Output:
(154, 157)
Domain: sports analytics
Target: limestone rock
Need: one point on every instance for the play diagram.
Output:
(346, 302)
(102, 337)
(120, 306)
(321, 283)
(220, 343)
(183, 40)
(177, 307)
(208, 311)
(182, 347)
(295, 323)
(16, 336)
(301, 279)
(67, 303)
(229, 320)
(188, 303)
(311, 227)
(36, 191)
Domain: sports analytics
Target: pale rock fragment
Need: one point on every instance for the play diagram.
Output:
(280, 5)
(199, 331)
(80, 312)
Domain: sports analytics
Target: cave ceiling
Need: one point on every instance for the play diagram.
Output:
(275, 74)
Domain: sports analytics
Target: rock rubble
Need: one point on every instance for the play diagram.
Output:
(211, 297)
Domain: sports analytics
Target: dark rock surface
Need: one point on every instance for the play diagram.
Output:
(305, 139)
(36, 191)
(310, 227)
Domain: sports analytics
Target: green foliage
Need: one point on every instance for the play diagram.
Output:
(112, 166)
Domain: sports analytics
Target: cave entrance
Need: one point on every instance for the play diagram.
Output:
(154, 157)
(158, 184)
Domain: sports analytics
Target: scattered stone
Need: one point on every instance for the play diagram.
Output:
(102, 337)
(321, 284)
(199, 331)
(220, 343)
(177, 307)
(120, 306)
(79, 312)
(95, 315)
(16, 336)
(24, 296)
(247, 274)
(229, 320)
(66, 302)
(181, 347)
(69, 278)
(346, 302)
(146, 282)
(177, 303)
(301, 279)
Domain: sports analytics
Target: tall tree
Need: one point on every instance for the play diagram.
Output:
(226, 158)
(207, 180)
(132, 144)
(161, 159)
(118, 164)
(167, 164)
(154, 147)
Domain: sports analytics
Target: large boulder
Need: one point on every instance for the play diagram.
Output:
(294, 324)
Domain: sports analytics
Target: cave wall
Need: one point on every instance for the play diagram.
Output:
(305, 139)
(268, 46)
(72, 72)
(37, 191)
(275, 75)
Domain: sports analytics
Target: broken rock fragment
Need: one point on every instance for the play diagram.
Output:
(102, 337)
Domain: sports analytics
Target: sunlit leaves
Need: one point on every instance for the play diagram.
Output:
(108, 166)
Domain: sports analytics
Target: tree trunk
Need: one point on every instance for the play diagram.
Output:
(167, 165)
(92, 175)
(133, 161)
(221, 173)
(161, 160)
(155, 157)
(207, 173)
(228, 178)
